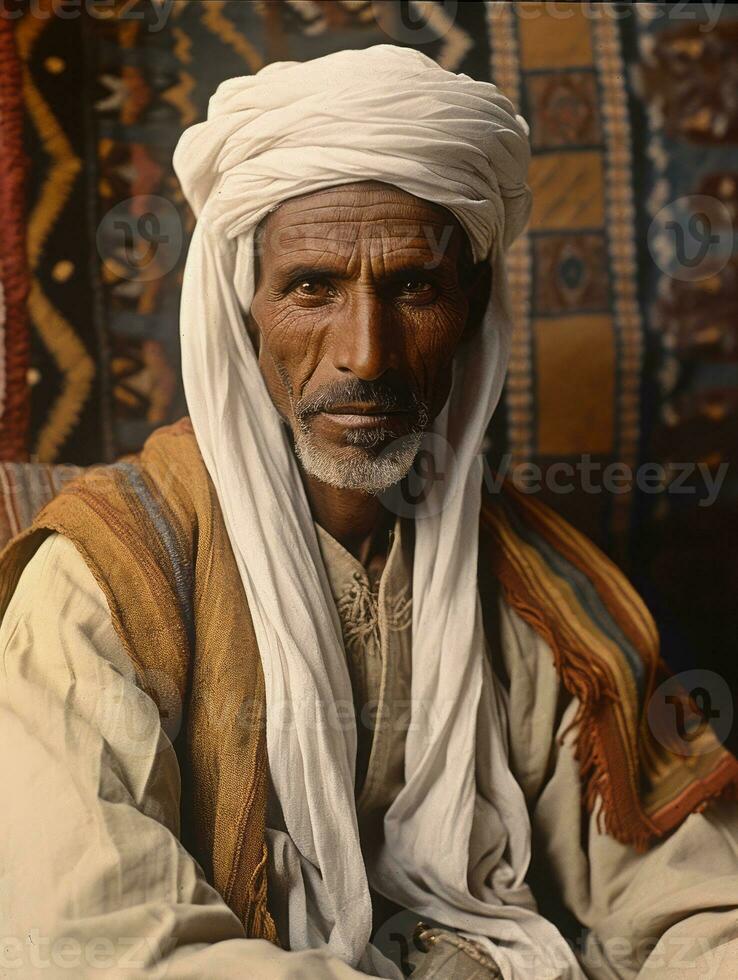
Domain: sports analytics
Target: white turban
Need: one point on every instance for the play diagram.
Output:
(457, 837)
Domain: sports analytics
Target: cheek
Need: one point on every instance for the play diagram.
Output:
(290, 345)
(433, 338)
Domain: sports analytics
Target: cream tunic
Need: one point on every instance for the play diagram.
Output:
(93, 880)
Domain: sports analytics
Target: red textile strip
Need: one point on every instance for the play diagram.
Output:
(15, 421)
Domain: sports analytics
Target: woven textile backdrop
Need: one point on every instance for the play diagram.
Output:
(615, 360)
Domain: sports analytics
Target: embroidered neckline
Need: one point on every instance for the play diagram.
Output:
(358, 610)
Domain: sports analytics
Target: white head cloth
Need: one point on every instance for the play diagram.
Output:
(457, 837)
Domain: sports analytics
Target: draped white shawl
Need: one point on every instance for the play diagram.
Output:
(457, 837)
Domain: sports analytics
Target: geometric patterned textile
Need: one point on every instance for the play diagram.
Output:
(686, 82)
(575, 374)
(67, 418)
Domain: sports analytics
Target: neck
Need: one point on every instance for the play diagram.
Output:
(357, 520)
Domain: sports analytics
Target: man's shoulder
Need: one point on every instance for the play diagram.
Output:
(165, 481)
(535, 550)
(136, 524)
(177, 436)
(605, 648)
(171, 448)
(602, 635)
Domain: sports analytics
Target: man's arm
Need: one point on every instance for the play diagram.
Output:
(671, 912)
(94, 878)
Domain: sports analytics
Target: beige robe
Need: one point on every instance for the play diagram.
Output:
(94, 880)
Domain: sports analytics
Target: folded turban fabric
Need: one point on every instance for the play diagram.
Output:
(457, 837)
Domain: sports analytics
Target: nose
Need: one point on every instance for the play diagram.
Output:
(365, 336)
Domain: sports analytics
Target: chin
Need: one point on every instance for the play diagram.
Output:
(351, 467)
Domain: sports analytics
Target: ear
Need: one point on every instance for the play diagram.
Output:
(479, 289)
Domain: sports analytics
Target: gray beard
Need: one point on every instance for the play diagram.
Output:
(358, 469)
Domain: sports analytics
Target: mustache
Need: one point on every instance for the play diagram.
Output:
(386, 396)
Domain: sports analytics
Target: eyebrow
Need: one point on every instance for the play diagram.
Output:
(309, 269)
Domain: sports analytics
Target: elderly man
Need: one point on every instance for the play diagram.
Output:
(289, 709)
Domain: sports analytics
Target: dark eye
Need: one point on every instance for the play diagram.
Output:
(311, 286)
(416, 288)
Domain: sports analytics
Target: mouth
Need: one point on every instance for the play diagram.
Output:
(364, 415)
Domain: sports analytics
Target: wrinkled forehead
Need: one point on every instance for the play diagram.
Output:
(369, 215)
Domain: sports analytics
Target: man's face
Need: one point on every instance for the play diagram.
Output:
(363, 295)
